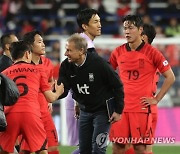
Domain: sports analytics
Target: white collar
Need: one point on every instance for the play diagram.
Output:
(82, 62)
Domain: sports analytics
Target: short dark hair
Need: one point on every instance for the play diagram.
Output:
(149, 31)
(134, 19)
(84, 16)
(29, 37)
(6, 39)
(18, 49)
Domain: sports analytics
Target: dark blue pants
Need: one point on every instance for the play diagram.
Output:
(93, 132)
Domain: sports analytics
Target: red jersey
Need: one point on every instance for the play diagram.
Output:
(156, 79)
(29, 79)
(47, 66)
(137, 70)
(56, 71)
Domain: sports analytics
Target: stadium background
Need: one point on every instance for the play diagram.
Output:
(57, 20)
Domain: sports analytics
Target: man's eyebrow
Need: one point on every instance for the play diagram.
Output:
(97, 20)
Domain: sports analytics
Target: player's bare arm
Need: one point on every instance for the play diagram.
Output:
(169, 80)
(52, 96)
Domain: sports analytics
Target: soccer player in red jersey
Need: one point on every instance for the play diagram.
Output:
(24, 118)
(148, 36)
(34, 38)
(137, 62)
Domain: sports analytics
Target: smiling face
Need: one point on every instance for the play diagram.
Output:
(74, 55)
(93, 28)
(38, 47)
(131, 32)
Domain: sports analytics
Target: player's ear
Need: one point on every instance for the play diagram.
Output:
(82, 51)
(84, 26)
(27, 54)
(31, 46)
(7, 46)
(141, 30)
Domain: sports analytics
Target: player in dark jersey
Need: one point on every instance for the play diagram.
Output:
(34, 38)
(5, 59)
(24, 118)
(92, 81)
(137, 62)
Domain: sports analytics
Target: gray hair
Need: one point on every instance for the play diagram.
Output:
(79, 41)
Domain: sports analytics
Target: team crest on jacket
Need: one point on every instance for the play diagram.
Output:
(91, 77)
(141, 63)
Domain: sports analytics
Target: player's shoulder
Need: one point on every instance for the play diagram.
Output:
(151, 49)
(45, 59)
(20, 67)
(149, 46)
(1, 57)
(119, 49)
(96, 60)
(93, 57)
(66, 64)
(4, 58)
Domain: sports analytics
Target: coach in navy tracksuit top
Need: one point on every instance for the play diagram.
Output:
(92, 81)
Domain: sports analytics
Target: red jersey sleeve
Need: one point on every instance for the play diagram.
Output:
(48, 66)
(44, 85)
(113, 59)
(47, 77)
(159, 61)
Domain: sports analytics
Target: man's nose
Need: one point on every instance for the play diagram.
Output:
(66, 53)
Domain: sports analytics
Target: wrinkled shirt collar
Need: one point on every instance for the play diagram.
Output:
(89, 41)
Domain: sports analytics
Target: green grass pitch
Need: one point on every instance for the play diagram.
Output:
(156, 149)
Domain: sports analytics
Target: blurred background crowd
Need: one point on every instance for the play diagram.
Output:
(58, 18)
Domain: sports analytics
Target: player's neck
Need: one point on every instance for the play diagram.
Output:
(81, 61)
(35, 59)
(21, 60)
(135, 44)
